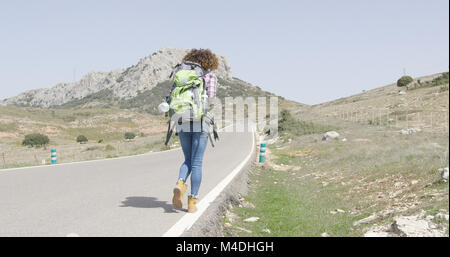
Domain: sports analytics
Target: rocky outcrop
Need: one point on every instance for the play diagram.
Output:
(124, 84)
(65, 92)
(418, 225)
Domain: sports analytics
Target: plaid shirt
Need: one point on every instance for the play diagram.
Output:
(210, 84)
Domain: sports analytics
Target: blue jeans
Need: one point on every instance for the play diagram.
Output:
(193, 145)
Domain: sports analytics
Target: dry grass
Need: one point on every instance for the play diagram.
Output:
(376, 170)
(63, 126)
(425, 108)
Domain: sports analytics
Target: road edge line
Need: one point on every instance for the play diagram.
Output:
(189, 219)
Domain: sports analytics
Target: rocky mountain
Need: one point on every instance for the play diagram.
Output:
(117, 85)
(148, 100)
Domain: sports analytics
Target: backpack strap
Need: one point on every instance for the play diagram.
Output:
(212, 128)
(193, 64)
(169, 132)
(173, 70)
(210, 139)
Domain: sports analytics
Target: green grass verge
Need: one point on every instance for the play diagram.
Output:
(287, 209)
(385, 173)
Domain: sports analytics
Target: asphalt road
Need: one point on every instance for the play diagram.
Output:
(115, 197)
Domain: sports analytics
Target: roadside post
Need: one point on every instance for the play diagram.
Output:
(262, 152)
(53, 155)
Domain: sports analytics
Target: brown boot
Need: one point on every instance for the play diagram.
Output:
(192, 202)
(178, 193)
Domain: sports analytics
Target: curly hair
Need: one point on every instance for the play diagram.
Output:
(207, 59)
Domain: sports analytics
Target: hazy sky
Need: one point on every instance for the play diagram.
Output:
(308, 51)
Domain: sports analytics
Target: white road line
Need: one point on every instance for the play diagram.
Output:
(189, 219)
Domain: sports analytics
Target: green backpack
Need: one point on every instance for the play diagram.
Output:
(188, 99)
(188, 96)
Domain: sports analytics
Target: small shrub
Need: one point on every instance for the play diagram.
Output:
(82, 139)
(70, 118)
(100, 141)
(129, 135)
(109, 148)
(92, 148)
(288, 124)
(285, 119)
(404, 81)
(441, 80)
(8, 126)
(35, 140)
(443, 89)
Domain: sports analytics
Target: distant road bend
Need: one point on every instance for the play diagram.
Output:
(128, 196)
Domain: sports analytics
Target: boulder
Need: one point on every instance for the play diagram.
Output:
(244, 230)
(251, 219)
(340, 211)
(330, 135)
(413, 226)
(441, 216)
(365, 220)
(444, 173)
(409, 131)
(410, 226)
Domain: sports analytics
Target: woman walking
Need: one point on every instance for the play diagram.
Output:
(193, 134)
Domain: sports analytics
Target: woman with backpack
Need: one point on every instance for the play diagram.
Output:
(193, 74)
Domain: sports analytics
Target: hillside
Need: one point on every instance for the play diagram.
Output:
(383, 175)
(424, 106)
(148, 100)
